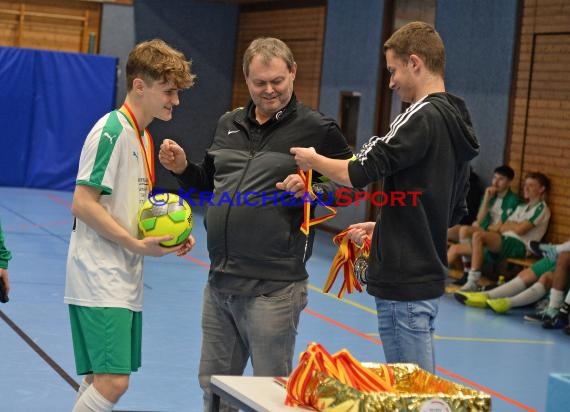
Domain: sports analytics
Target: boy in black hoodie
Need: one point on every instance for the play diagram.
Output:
(427, 150)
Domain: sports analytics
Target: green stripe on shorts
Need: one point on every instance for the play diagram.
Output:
(106, 340)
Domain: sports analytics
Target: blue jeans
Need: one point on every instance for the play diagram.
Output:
(406, 330)
(235, 328)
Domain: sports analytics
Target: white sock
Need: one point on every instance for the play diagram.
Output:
(564, 247)
(556, 297)
(471, 284)
(93, 401)
(466, 259)
(82, 388)
(528, 296)
(474, 276)
(511, 288)
(567, 300)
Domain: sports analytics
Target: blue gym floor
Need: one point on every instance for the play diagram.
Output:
(503, 355)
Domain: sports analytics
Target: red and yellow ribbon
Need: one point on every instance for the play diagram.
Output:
(307, 221)
(341, 366)
(146, 145)
(347, 253)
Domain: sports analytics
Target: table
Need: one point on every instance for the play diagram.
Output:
(250, 394)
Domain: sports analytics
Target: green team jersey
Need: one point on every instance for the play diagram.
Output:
(508, 206)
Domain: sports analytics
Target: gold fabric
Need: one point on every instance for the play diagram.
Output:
(413, 388)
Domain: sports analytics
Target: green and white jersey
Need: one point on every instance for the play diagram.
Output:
(100, 272)
(496, 210)
(500, 208)
(538, 215)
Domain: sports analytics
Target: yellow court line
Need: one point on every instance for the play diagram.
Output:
(436, 337)
(343, 300)
(459, 338)
(493, 340)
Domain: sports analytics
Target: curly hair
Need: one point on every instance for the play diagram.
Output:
(155, 60)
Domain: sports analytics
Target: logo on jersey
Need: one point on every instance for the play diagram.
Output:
(109, 136)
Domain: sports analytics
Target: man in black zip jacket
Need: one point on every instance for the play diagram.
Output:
(257, 284)
(426, 150)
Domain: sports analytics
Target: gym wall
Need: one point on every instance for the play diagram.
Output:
(539, 138)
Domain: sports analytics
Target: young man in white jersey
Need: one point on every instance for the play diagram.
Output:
(528, 222)
(497, 204)
(104, 284)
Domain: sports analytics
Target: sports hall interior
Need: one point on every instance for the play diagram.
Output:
(62, 67)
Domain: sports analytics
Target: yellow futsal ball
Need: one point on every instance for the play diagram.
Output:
(166, 214)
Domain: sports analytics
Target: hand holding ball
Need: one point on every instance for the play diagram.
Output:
(166, 214)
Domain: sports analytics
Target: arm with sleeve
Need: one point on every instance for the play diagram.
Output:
(334, 146)
(401, 147)
(199, 176)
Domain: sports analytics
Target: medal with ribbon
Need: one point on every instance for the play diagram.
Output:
(145, 143)
(352, 258)
(361, 263)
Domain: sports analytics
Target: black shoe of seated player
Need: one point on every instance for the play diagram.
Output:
(534, 247)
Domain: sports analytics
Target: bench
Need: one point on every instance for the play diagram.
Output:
(506, 270)
(525, 262)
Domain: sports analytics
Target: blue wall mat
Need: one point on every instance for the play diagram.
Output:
(49, 103)
(16, 113)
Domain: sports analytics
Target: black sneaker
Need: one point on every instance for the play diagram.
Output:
(560, 321)
(534, 247)
(541, 315)
(543, 250)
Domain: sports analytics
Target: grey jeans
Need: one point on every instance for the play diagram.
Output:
(235, 328)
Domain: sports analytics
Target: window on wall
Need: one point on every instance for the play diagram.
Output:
(301, 27)
(406, 11)
(348, 116)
